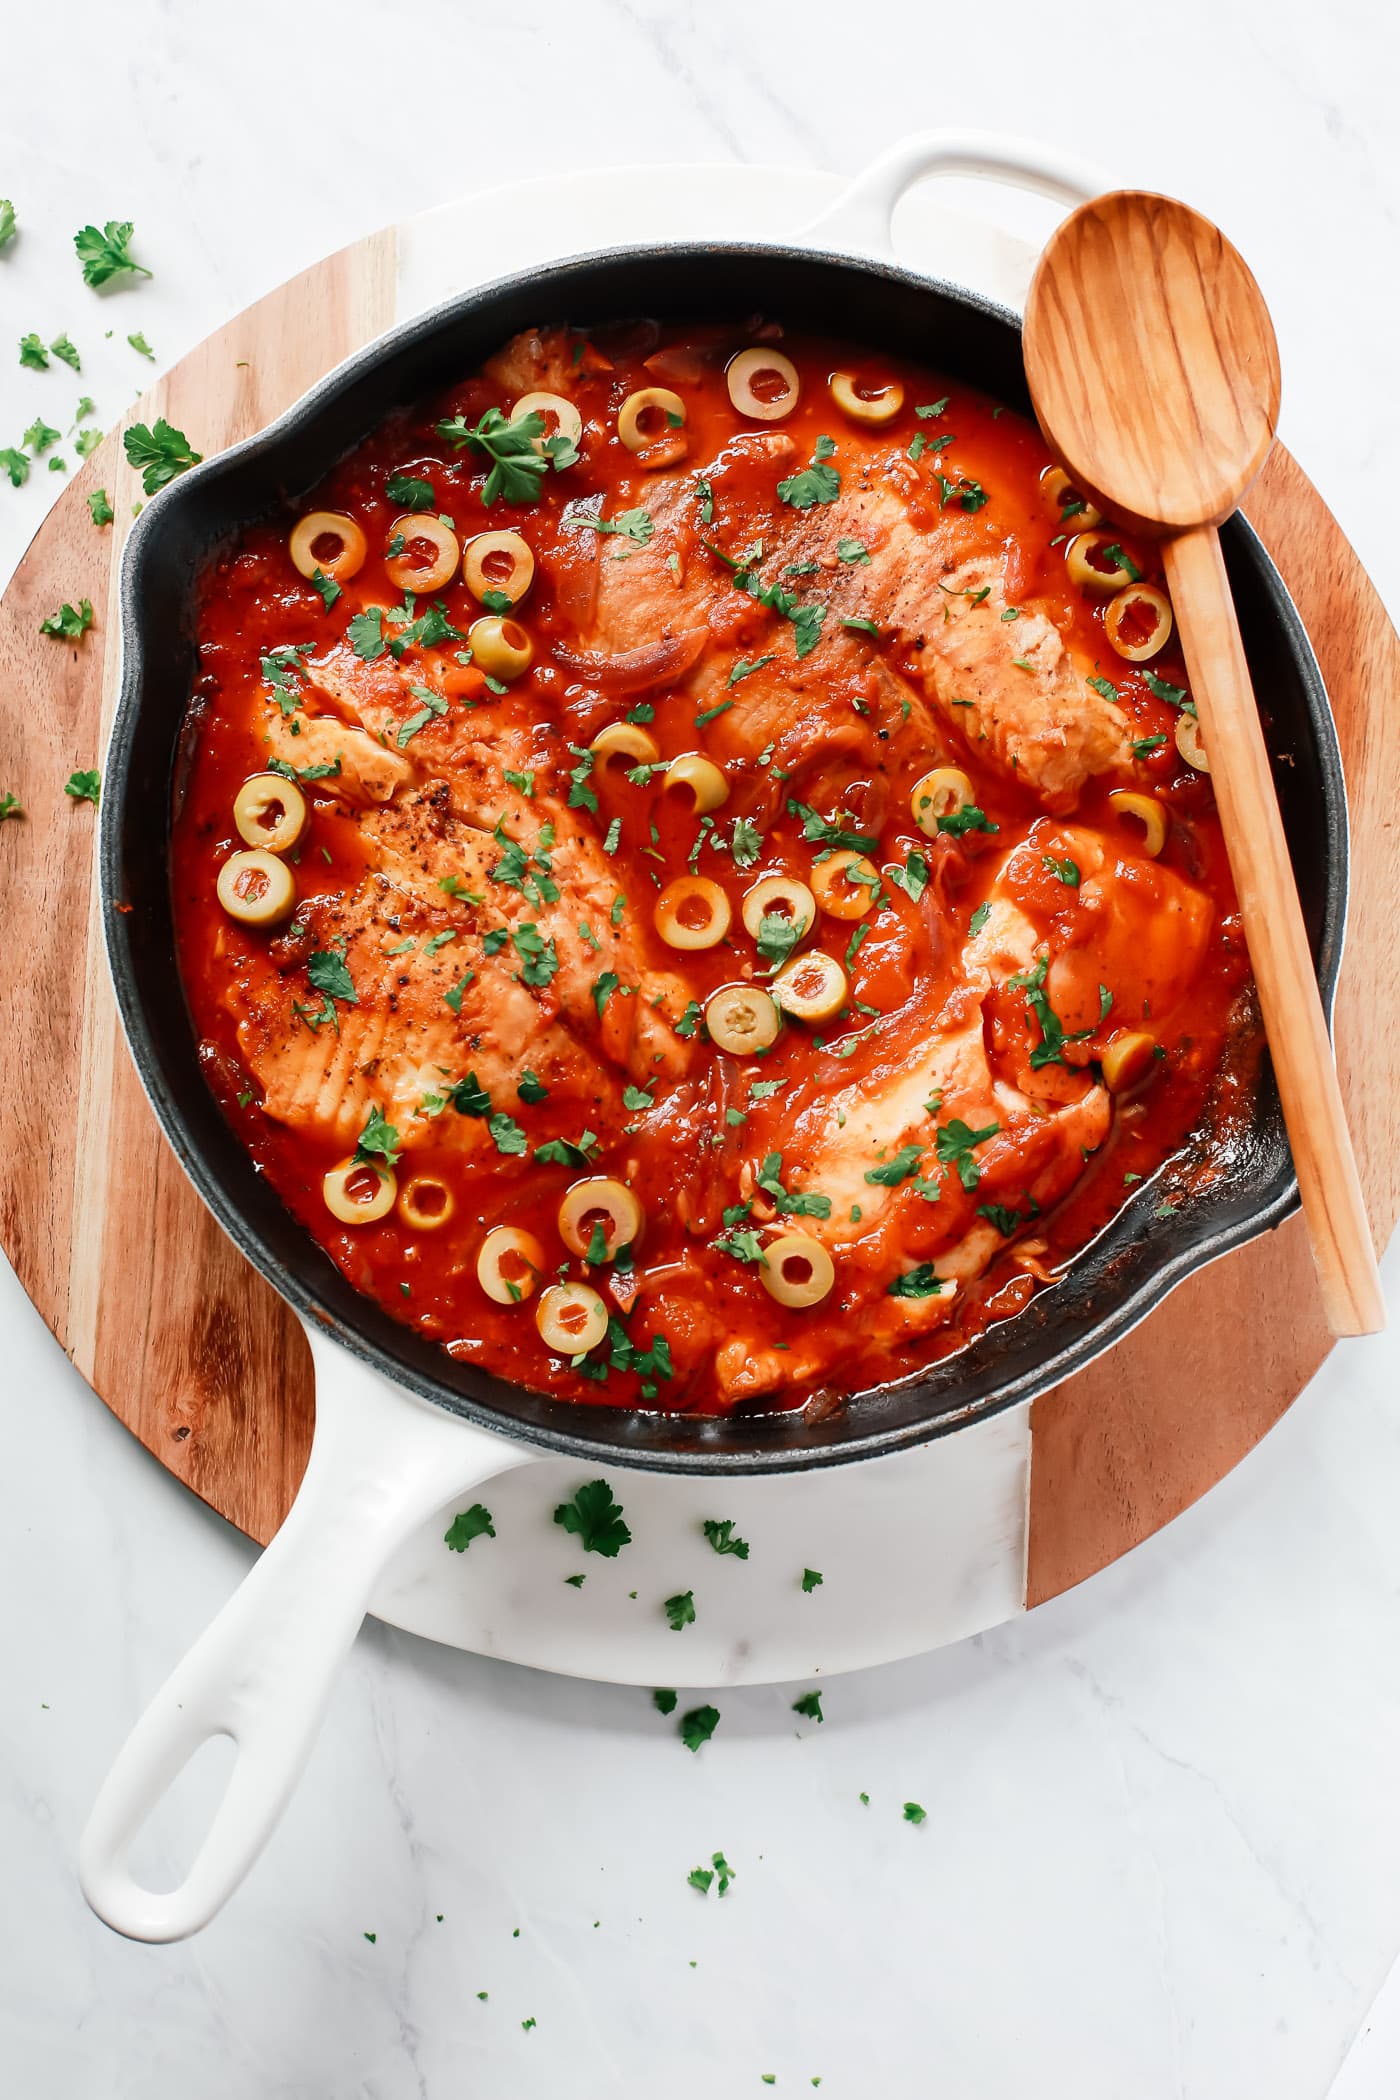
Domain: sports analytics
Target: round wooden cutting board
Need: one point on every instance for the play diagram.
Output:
(200, 1358)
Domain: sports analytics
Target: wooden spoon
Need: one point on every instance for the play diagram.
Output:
(1155, 376)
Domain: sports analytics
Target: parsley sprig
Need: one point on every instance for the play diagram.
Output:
(517, 466)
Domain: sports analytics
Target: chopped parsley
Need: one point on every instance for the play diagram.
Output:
(811, 1580)
(680, 1610)
(378, 1143)
(581, 795)
(469, 1524)
(636, 525)
(603, 988)
(431, 704)
(1174, 695)
(32, 353)
(705, 497)
(1114, 553)
(904, 1164)
(956, 822)
(106, 254)
(141, 346)
(849, 550)
(539, 958)
(1065, 871)
(913, 877)
(664, 1700)
(517, 468)
(1005, 1220)
(823, 833)
(410, 492)
(595, 1520)
(636, 1098)
(745, 842)
(809, 1706)
(794, 1203)
(1103, 686)
(980, 917)
(70, 622)
(84, 787)
(698, 1726)
(818, 483)
(745, 669)
(328, 973)
(160, 452)
(913, 1813)
(720, 1533)
(954, 1144)
(920, 1282)
(1050, 1049)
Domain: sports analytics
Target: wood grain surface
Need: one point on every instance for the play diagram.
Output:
(200, 1358)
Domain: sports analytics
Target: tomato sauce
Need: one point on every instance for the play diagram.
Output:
(692, 1141)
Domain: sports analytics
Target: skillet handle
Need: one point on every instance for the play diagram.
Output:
(381, 1462)
(861, 217)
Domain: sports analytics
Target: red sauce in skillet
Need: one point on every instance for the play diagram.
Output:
(821, 725)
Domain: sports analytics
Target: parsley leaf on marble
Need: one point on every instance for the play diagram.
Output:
(106, 254)
(469, 1524)
(595, 1520)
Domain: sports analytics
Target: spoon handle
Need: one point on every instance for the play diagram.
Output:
(1273, 925)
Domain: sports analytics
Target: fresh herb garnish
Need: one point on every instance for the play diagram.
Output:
(809, 1706)
(517, 468)
(378, 1143)
(410, 492)
(595, 1520)
(1066, 871)
(698, 1726)
(902, 1167)
(635, 525)
(680, 1610)
(84, 787)
(793, 1203)
(160, 452)
(817, 483)
(953, 1145)
(469, 1524)
(328, 973)
(720, 1533)
(826, 834)
(70, 622)
(849, 550)
(1174, 695)
(745, 669)
(105, 255)
(431, 704)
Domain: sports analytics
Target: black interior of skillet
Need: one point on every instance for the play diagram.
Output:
(1133, 1263)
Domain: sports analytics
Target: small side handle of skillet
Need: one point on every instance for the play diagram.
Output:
(381, 1462)
(861, 217)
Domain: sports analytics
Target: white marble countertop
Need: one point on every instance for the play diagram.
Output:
(1162, 1853)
